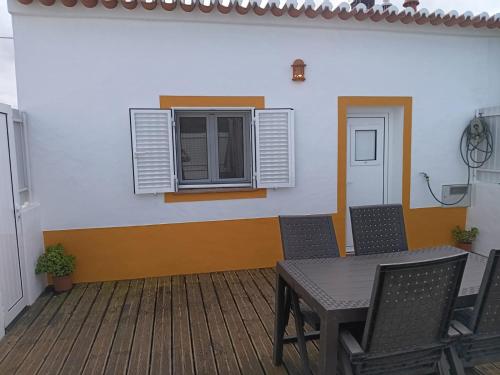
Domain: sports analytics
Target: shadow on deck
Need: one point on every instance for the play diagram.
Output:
(220, 323)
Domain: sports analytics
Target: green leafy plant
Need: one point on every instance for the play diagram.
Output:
(56, 262)
(464, 235)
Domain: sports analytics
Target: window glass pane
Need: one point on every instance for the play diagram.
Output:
(194, 153)
(22, 170)
(366, 145)
(231, 147)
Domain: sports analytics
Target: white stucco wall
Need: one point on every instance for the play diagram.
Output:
(31, 240)
(78, 75)
(484, 214)
(2, 319)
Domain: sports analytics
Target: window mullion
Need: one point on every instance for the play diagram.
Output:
(212, 148)
(216, 150)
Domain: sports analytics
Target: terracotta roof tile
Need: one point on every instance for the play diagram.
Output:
(309, 9)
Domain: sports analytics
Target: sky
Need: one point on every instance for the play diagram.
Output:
(7, 68)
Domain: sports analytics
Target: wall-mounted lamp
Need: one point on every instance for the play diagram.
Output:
(298, 70)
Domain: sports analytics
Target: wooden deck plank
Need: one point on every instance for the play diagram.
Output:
(269, 274)
(19, 327)
(31, 335)
(161, 356)
(34, 359)
(182, 354)
(245, 353)
(98, 357)
(474, 371)
(487, 369)
(122, 344)
(218, 323)
(202, 343)
(78, 355)
(57, 355)
(225, 358)
(260, 339)
(291, 356)
(266, 279)
(141, 348)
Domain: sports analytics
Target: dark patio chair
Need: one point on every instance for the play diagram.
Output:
(378, 229)
(406, 332)
(306, 237)
(480, 325)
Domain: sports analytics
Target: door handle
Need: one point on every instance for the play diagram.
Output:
(17, 212)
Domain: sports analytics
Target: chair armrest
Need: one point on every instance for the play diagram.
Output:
(461, 328)
(453, 333)
(350, 344)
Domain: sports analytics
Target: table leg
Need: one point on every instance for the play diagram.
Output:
(299, 328)
(279, 321)
(328, 342)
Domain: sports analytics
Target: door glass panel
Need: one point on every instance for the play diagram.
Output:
(11, 287)
(194, 153)
(365, 145)
(231, 147)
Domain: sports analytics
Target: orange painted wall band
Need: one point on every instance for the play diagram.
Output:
(215, 195)
(171, 101)
(168, 249)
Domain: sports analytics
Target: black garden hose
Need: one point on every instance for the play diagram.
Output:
(476, 148)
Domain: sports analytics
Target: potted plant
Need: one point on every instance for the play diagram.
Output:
(59, 265)
(464, 237)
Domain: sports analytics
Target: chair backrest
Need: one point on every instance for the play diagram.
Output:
(305, 237)
(485, 318)
(378, 229)
(412, 304)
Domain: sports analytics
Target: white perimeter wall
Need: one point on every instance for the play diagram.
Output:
(31, 240)
(484, 214)
(78, 76)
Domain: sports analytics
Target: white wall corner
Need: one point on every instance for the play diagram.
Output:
(484, 215)
(33, 246)
(2, 318)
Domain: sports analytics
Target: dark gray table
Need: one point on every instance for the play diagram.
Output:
(339, 290)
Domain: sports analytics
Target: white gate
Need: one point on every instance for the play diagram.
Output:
(12, 274)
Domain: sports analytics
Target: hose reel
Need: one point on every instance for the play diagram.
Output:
(476, 148)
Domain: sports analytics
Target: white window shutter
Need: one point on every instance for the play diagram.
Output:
(153, 151)
(274, 148)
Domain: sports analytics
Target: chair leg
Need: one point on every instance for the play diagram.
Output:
(288, 301)
(456, 365)
(279, 318)
(345, 363)
(443, 366)
(308, 336)
(299, 327)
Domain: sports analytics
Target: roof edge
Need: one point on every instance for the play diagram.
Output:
(308, 9)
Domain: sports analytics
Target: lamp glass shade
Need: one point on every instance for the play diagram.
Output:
(298, 70)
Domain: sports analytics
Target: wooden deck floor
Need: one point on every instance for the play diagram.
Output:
(219, 323)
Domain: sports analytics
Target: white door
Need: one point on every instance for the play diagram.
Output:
(11, 285)
(366, 160)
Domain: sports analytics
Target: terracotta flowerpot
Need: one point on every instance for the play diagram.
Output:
(465, 246)
(62, 284)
